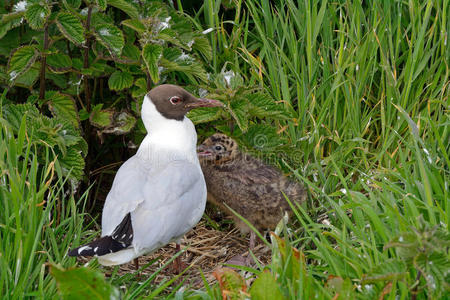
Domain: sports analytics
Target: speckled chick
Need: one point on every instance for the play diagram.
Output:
(246, 184)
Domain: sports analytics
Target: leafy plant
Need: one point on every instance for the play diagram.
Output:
(36, 225)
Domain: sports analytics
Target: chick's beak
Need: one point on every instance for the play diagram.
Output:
(203, 151)
(203, 102)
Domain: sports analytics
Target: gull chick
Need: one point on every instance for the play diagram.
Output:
(247, 185)
(158, 194)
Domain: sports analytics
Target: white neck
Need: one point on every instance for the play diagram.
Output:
(166, 139)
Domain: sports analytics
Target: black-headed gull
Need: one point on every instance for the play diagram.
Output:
(159, 194)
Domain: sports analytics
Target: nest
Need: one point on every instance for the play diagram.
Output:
(205, 250)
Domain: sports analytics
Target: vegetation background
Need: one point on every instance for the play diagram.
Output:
(349, 97)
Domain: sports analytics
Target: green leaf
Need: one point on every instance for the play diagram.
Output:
(262, 105)
(72, 162)
(70, 27)
(82, 283)
(201, 44)
(122, 124)
(29, 78)
(262, 136)
(111, 37)
(435, 267)
(59, 63)
(126, 6)
(139, 89)
(36, 14)
(132, 52)
(229, 80)
(134, 24)
(101, 4)
(101, 118)
(266, 287)
(230, 283)
(151, 53)
(73, 3)
(62, 106)
(21, 60)
(120, 80)
(391, 269)
(238, 110)
(204, 114)
(4, 28)
(14, 113)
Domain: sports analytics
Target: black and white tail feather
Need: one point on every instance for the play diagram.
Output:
(120, 239)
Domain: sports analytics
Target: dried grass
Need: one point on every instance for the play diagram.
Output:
(207, 249)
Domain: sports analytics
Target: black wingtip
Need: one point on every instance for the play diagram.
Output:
(73, 252)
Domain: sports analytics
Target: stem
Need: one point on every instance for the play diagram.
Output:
(86, 60)
(414, 291)
(87, 93)
(149, 81)
(43, 64)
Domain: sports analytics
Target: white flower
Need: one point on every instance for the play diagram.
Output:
(13, 75)
(207, 30)
(20, 6)
(104, 32)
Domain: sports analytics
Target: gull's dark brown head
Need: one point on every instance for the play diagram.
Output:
(174, 102)
(218, 149)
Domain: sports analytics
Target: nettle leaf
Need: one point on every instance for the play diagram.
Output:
(204, 114)
(30, 77)
(262, 136)
(170, 36)
(123, 123)
(125, 6)
(229, 79)
(101, 4)
(111, 37)
(21, 61)
(139, 89)
(238, 110)
(134, 24)
(192, 69)
(59, 63)
(132, 52)
(14, 113)
(70, 27)
(101, 118)
(120, 80)
(435, 268)
(391, 269)
(72, 163)
(73, 3)
(262, 105)
(83, 283)
(266, 287)
(151, 53)
(36, 14)
(4, 28)
(62, 106)
(201, 44)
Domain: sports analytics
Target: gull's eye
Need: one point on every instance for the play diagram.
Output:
(175, 100)
(218, 147)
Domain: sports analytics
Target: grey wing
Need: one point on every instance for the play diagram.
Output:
(125, 195)
(174, 202)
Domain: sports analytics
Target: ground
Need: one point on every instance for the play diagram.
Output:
(207, 250)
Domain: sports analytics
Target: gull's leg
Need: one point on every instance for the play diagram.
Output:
(136, 263)
(251, 246)
(178, 264)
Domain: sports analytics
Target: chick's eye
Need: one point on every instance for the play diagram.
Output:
(175, 100)
(218, 147)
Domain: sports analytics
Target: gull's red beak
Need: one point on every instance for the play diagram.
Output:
(203, 102)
